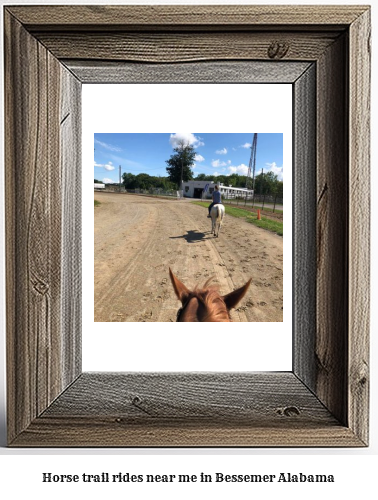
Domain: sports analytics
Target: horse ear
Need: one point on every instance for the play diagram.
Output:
(232, 298)
(180, 289)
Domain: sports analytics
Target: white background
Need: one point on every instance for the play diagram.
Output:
(219, 108)
(354, 469)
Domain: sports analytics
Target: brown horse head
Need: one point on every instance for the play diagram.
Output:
(205, 304)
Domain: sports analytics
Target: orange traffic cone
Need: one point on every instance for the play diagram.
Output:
(258, 214)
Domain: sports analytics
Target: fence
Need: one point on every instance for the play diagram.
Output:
(154, 192)
(111, 188)
(270, 202)
(232, 195)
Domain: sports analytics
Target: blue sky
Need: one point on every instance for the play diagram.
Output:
(215, 153)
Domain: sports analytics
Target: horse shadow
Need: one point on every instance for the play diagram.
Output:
(191, 236)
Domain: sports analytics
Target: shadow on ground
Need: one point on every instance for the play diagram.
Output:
(192, 236)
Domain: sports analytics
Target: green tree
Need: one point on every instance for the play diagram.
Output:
(201, 177)
(248, 182)
(166, 184)
(220, 179)
(179, 164)
(146, 182)
(279, 191)
(128, 180)
(266, 183)
(236, 180)
(143, 181)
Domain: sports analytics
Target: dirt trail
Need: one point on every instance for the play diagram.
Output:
(138, 238)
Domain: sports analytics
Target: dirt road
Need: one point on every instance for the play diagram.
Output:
(138, 238)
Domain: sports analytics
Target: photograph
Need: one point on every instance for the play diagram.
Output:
(188, 227)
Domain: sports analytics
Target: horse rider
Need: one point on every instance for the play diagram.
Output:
(216, 199)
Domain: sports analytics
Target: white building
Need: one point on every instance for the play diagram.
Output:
(204, 190)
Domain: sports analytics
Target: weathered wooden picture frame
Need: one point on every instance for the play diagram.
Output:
(50, 51)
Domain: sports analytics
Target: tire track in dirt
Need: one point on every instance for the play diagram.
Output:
(120, 283)
(210, 257)
(155, 234)
(115, 279)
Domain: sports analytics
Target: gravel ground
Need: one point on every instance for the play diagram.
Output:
(138, 238)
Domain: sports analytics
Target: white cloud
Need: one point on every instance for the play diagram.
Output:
(246, 145)
(109, 166)
(243, 170)
(218, 163)
(107, 181)
(272, 167)
(188, 138)
(221, 151)
(107, 146)
(199, 158)
(240, 169)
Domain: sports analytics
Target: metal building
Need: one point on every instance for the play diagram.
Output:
(204, 190)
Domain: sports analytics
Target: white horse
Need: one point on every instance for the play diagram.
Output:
(217, 215)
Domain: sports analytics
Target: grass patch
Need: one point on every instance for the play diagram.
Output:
(265, 223)
(266, 209)
(97, 203)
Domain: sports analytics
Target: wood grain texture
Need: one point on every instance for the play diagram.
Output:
(70, 161)
(197, 409)
(304, 227)
(173, 16)
(200, 72)
(181, 47)
(99, 432)
(245, 397)
(33, 227)
(359, 226)
(324, 402)
(331, 351)
(33, 189)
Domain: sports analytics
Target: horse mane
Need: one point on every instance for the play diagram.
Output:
(206, 303)
(214, 307)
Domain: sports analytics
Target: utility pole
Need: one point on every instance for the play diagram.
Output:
(120, 178)
(183, 149)
(182, 171)
(252, 167)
